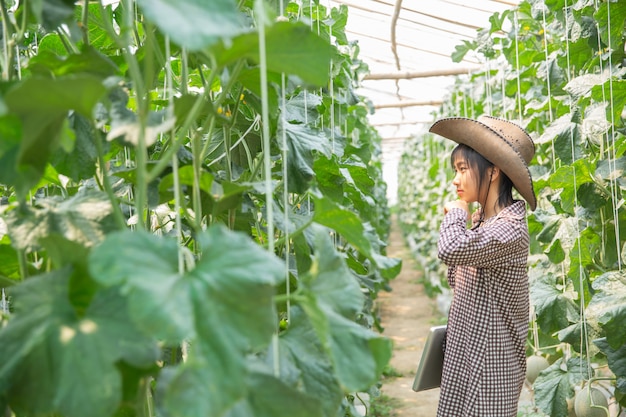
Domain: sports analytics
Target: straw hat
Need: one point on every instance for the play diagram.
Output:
(503, 143)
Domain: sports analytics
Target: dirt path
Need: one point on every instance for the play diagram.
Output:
(407, 314)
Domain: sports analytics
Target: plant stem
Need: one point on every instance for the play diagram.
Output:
(106, 183)
(85, 22)
(141, 154)
(7, 42)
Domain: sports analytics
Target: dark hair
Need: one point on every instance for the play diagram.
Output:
(479, 165)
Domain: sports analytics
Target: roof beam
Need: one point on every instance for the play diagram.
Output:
(421, 74)
(408, 103)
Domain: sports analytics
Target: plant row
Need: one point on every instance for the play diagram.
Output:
(193, 217)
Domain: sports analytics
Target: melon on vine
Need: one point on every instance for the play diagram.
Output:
(535, 364)
(591, 402)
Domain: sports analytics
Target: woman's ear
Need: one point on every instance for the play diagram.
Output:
(495, 173)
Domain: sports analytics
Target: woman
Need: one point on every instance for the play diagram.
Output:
(485, 362)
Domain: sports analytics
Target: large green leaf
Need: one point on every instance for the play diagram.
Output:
(291, 48)
(211, 305)
(615, 90)
(332, 299)
(345, 222)
(351, 228)
(617, 361)
(555, 385)
(329, 179)
(570, 178)
(62, 362)
(52, 13)
(305, 363)
(303, 144)
(84, 218)
(195, 24)
(610, 18)
(565, 135)
(79, 161)
(302, 108)
(88, 61)
(608, 306)
(555, 308)
(42, 105)
(37, 95)
(270, 396)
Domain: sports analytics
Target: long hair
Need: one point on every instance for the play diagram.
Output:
(479, 166)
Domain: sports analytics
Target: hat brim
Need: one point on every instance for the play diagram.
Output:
(493, 147)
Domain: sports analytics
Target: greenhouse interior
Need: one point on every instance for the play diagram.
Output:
(313, 208)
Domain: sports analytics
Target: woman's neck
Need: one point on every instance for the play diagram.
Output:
(491, 207)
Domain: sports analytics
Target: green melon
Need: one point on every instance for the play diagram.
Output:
(591, 402)
(534, 365)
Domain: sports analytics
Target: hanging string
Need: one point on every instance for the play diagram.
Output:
(612, 159)
(267, 162)
(606, 134)
(489, 99)
(548, 83)
(5, 304)
(584, 339)
(286, 205)
(503, 89)
(517, 68)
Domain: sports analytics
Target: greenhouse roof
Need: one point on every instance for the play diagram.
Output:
(408, 47)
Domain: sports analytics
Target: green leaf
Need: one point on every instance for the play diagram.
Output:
(555, 308)
(592, 196)
(305, 363)
(611, 27)
(302, 108)
(555, 385)
(291, 48)
(210, 305)
(79, 162)
(52, 13)
(89, 61)
(11, 133)
(329, 179)
(38, 95)
(269, 396)
(565, 134)
(60, 362)
(84, 218)
(99, 18)
(608, 306)
(615, 89)
(185, 177)
(194, 24)
(333, 298)
(303, 144)
(345, 222)
(617, 361)
(42, 105)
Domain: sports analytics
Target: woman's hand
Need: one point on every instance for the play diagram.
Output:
(455, 204)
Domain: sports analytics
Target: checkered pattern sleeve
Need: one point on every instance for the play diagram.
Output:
(484, 247)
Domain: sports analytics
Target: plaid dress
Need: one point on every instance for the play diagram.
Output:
(485, 361)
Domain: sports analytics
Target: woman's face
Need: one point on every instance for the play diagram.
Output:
(465, 181)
